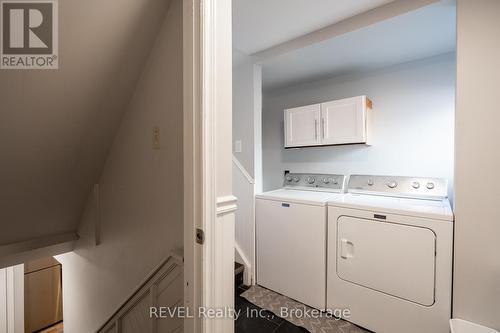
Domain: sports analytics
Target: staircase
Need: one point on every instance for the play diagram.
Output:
(238, 275)
(162, 288)
(244, 190)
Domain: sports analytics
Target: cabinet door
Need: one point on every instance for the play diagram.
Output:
(343, 121)
(302, 126)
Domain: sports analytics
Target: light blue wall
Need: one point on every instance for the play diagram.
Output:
(413, 124)
(244, 111)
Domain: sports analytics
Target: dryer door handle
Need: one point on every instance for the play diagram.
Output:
(346, 249)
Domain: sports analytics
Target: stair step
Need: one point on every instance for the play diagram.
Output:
(238, 268)
(238, 275)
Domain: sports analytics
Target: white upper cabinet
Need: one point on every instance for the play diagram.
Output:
(302, 126)
(344, 121)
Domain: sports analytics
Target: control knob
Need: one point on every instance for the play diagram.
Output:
(370, 182)
(392, 184)
(430, 185)
(415, 185)
(311, 180)
(296, 179)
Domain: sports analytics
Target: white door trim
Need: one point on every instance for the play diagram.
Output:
(12, 299)
(192, 162)
(226, 205)
(208, 201)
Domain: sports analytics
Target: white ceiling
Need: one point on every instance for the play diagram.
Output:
(418, 34)
(260, 24)
(56, 126)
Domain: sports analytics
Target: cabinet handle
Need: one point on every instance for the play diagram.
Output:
(315, 129)
(323, 127)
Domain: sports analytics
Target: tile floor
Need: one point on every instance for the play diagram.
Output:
(268, 323)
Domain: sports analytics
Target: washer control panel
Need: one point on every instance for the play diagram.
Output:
(412, 187)
(320, 182)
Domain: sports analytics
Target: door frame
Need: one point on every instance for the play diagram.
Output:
(209, 205)
(12, 296)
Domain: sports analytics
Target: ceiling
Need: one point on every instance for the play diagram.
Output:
(56, 126)
(425, 32)
(260, 24)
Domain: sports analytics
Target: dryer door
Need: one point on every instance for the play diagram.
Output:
(395, 259)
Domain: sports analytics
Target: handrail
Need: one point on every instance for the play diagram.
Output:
(174, 259)
(243, 170)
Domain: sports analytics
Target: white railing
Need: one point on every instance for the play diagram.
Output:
(243, 170)
(162, 287)
(244, 189)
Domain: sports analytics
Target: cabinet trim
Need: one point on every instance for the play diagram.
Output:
(329, 145)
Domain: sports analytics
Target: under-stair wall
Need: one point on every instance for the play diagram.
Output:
(140, 193)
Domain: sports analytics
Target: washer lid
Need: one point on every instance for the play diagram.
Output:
(316, 198)
(434, 209)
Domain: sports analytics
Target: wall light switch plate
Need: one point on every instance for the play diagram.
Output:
(238, 147)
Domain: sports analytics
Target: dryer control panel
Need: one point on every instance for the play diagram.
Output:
(315, 181)
(397, 186)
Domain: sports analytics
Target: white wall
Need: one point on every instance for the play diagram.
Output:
(141, 193)
(243, 106)
(413, 119)
(476, 295)
(247, 126)
(247, 110)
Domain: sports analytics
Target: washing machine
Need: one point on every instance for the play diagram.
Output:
(291, 236)
(390, 243)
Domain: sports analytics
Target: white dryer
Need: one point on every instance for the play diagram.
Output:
(291, 236)
(390, 243)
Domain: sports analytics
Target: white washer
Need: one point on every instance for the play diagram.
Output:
(390, 243)
(291, 236)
